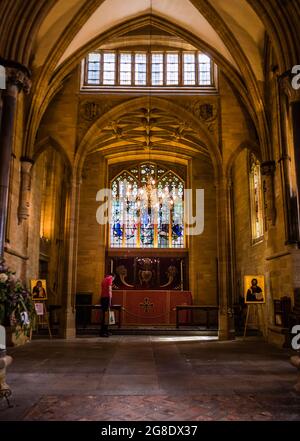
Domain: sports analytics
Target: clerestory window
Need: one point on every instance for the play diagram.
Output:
(156, 69)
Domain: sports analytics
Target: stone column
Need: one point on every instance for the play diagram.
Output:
(23, 210)
(224, 259)
(17, 79)
(289, 109)
(72, 219)
(1, 108)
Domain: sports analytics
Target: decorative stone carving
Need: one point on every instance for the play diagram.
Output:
(207, 112)
(288, 89)
(91, 110)
(117, 130)
(18, 77)
(23, 210)
(268, 171)
(180, 130)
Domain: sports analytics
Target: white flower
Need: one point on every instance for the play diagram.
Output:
(3, 278)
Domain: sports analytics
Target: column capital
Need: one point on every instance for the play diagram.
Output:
(26, 159)
(26, 164)
(17, 74)
(19, 78)
(286, 85)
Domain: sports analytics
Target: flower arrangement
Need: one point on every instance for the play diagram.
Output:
(16, 306)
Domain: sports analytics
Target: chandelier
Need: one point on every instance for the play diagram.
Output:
(150, 195)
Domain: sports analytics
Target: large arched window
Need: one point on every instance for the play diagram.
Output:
(147, 208)
(256, 200)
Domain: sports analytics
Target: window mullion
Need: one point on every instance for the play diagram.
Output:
(197, 73)
(117, 68)
(101, 68)
(212, 73)
(164, 68)
(149, 68)
(180, 67)
(86, 70)
(133, 68)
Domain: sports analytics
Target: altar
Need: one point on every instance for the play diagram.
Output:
(151, 307)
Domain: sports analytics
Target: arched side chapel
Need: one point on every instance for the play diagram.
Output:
(67, 141)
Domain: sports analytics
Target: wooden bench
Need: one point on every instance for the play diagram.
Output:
(207, 308)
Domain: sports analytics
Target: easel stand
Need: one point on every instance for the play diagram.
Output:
(255, 308)
(42, 316)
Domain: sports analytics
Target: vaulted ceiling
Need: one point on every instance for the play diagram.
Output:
(41, 24)
(145, 128)
(51, 36)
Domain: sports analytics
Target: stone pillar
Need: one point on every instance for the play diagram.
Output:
(268, 171)
(289, 105)
(1, 108)
(232, 283)
(290, 121)
(23, 210)
(72, 219)
(17, 79)
(224, 260)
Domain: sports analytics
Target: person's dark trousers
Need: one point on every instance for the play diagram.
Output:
(104, 309)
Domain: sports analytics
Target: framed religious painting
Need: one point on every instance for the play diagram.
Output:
(254, 289)
(38, 289)
(39, 308)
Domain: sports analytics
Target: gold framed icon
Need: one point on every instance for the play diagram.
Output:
(39, 289)
(254, 289)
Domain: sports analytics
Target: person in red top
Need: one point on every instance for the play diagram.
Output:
(106, 296)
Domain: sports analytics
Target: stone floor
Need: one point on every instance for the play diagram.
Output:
(151, 378)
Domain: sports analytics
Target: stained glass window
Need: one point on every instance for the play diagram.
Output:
(255, 184)
(147, 208)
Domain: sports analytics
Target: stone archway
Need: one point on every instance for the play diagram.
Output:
(92, 142)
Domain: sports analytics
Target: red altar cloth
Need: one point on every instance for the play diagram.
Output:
(151, 307)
